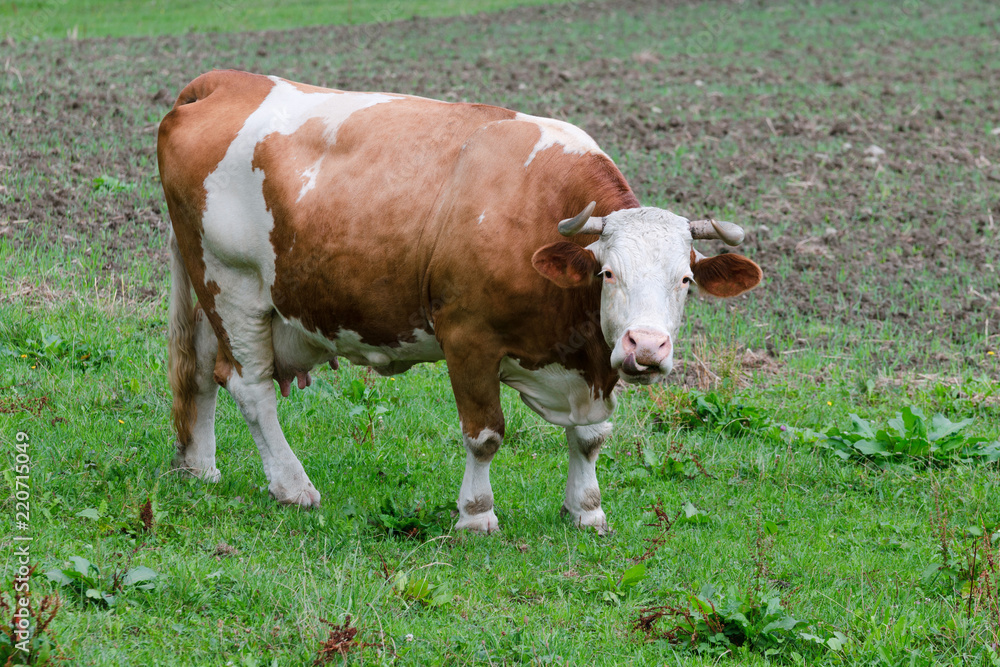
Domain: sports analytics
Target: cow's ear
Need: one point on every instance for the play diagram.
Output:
(725, 275)
(566, 264)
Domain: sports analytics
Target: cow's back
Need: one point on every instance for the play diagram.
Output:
(358, 215)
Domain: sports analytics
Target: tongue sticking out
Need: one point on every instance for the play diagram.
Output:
(631, 367)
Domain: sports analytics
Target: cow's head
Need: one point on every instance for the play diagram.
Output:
(646, 261)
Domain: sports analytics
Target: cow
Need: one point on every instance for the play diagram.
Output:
(314, 224)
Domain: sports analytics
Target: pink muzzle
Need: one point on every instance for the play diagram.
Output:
(644, 351)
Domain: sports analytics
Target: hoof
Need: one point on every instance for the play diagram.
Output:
(208, 473)
(479, 523)
(299, 492)
(595, 519)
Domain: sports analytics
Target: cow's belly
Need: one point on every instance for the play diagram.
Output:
(296, 347)
(417, 346)
(559, 395)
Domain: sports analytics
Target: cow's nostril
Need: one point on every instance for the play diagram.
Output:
(648, 348)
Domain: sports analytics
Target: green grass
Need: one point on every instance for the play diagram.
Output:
(851, 546)
(854, 547)
(48, 19)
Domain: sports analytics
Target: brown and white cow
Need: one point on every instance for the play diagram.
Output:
(389, 230)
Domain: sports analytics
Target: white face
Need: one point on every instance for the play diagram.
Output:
(645, 257)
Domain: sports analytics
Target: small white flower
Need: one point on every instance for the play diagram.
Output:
(409, 637)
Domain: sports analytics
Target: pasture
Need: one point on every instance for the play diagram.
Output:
(754, 522)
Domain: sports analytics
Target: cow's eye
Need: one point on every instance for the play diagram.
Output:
(686, 280)
(609, 276)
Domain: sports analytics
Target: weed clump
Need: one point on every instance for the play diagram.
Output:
(146, 518)
(983, 599)
(715, 623)
(416, 523)
(910, 435)
(84, 581)
(368, 409)
(25, 639)
(339, 642)
(969, 574)
(715, 411)
(423, 591)
(662, 523)
(51, 350)
(678, 463)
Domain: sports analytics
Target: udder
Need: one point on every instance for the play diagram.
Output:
(295, 354)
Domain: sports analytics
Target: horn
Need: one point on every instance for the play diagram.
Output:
(582, 223)
(729, 232)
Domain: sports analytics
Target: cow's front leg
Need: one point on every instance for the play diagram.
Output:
(475, 498)
(477, 393)
(583, 495)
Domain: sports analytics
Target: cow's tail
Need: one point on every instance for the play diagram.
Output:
(183, 357)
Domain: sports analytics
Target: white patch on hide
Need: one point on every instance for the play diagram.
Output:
(572, 138)
(341, 106)
(309, 178)
(425, 348)
(237, 224)
(559, 395)
(303, 343)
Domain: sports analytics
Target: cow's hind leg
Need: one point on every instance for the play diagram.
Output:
(583, 495)
(196, 454)
(252, 387)
(287, 479)
(192, 345)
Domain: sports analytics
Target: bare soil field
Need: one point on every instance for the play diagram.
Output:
(860, 155)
